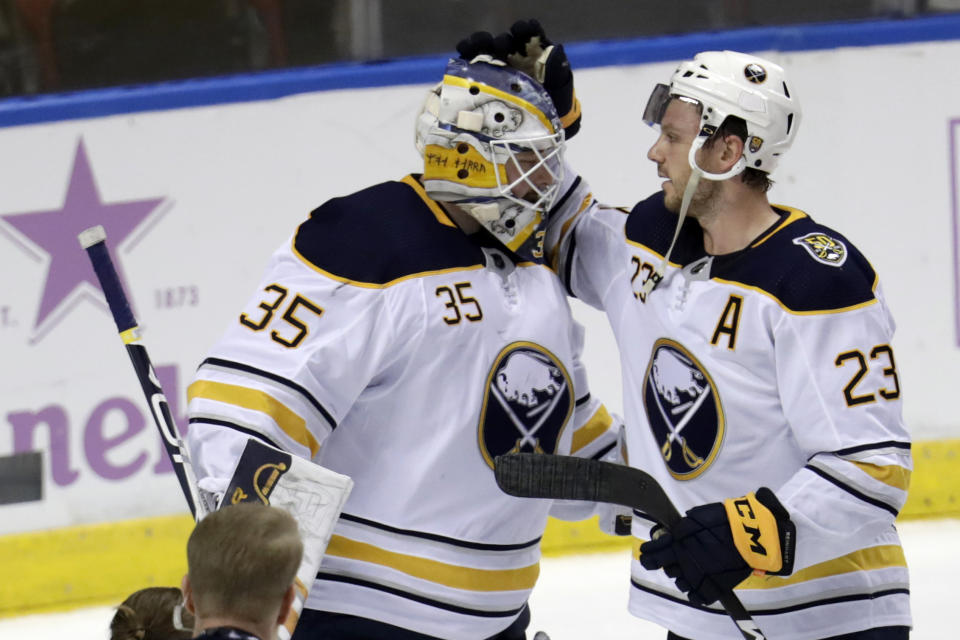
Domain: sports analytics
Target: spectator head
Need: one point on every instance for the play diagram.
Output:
(242, 561)
(148, 614)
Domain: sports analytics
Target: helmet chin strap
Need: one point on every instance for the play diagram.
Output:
(695, 174)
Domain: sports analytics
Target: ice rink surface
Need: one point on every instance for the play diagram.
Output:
(584, 597)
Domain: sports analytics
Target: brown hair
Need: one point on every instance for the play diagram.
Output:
(147, 614)
(242, 559)
(735, 126)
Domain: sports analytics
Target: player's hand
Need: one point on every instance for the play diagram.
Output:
(717, 546)
(532, 52)
(483, 43)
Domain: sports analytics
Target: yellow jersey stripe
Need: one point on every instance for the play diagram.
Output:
(595, 427)
(288, 420)
(435, 208)
(818, 312)
(882, 557)
(375, 285)
(301, 588)
(448, 575)
(656, 254)
(892, 475)
(794, 215)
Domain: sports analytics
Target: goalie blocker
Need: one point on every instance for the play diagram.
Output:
(312, 494)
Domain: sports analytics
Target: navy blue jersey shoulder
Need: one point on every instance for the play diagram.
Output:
(382, 233)
(806, 266)
(652, 225)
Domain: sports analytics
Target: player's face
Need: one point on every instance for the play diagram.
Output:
(679, 127)
(520, 164)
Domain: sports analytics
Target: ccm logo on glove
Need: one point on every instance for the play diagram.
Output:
(757, 536)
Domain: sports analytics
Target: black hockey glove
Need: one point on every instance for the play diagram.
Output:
(534, 54)
(717, 546)
(527, 48)
(483, 43)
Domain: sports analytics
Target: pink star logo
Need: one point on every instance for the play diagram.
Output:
(69, 275)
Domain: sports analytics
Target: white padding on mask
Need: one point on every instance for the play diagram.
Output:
(470, 120)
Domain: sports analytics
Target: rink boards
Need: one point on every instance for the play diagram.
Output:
(211, 175)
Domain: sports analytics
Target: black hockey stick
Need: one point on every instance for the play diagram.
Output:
(532, 475)
(93, 240)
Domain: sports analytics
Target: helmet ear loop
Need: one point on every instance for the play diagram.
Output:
(735, 170)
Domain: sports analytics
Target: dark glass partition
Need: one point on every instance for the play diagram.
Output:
(62, 45)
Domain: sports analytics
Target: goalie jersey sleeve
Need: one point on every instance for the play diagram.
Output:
(580, 234)
(385, 344)
(773, 366)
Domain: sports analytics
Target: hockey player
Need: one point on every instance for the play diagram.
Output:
(760, 384)
(406, 336)
(241, 563)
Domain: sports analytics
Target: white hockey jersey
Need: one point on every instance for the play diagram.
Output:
(771, 366)
(385, 344)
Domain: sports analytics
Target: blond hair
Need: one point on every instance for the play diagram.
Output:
(242, 559)
(147, 614)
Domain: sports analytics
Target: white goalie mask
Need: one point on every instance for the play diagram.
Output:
(492, 143)
(727, 83)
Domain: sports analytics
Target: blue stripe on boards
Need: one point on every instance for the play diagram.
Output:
(269, 85)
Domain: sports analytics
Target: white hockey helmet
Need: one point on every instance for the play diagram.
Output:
(728, 83)
(482, 116)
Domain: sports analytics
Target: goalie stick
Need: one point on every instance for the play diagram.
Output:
(532, 475)
(93, 240)
(313, 495)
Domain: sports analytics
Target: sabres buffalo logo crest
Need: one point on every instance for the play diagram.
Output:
(823, 248)
(755, 73)
(683, 410)
(529, 400)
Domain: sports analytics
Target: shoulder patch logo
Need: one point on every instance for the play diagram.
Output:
(683, 410)
(529, 400)
(823, 248)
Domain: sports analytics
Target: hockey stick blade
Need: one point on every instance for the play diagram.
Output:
(535, 475)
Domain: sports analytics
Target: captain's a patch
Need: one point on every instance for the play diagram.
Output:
(823, 248)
